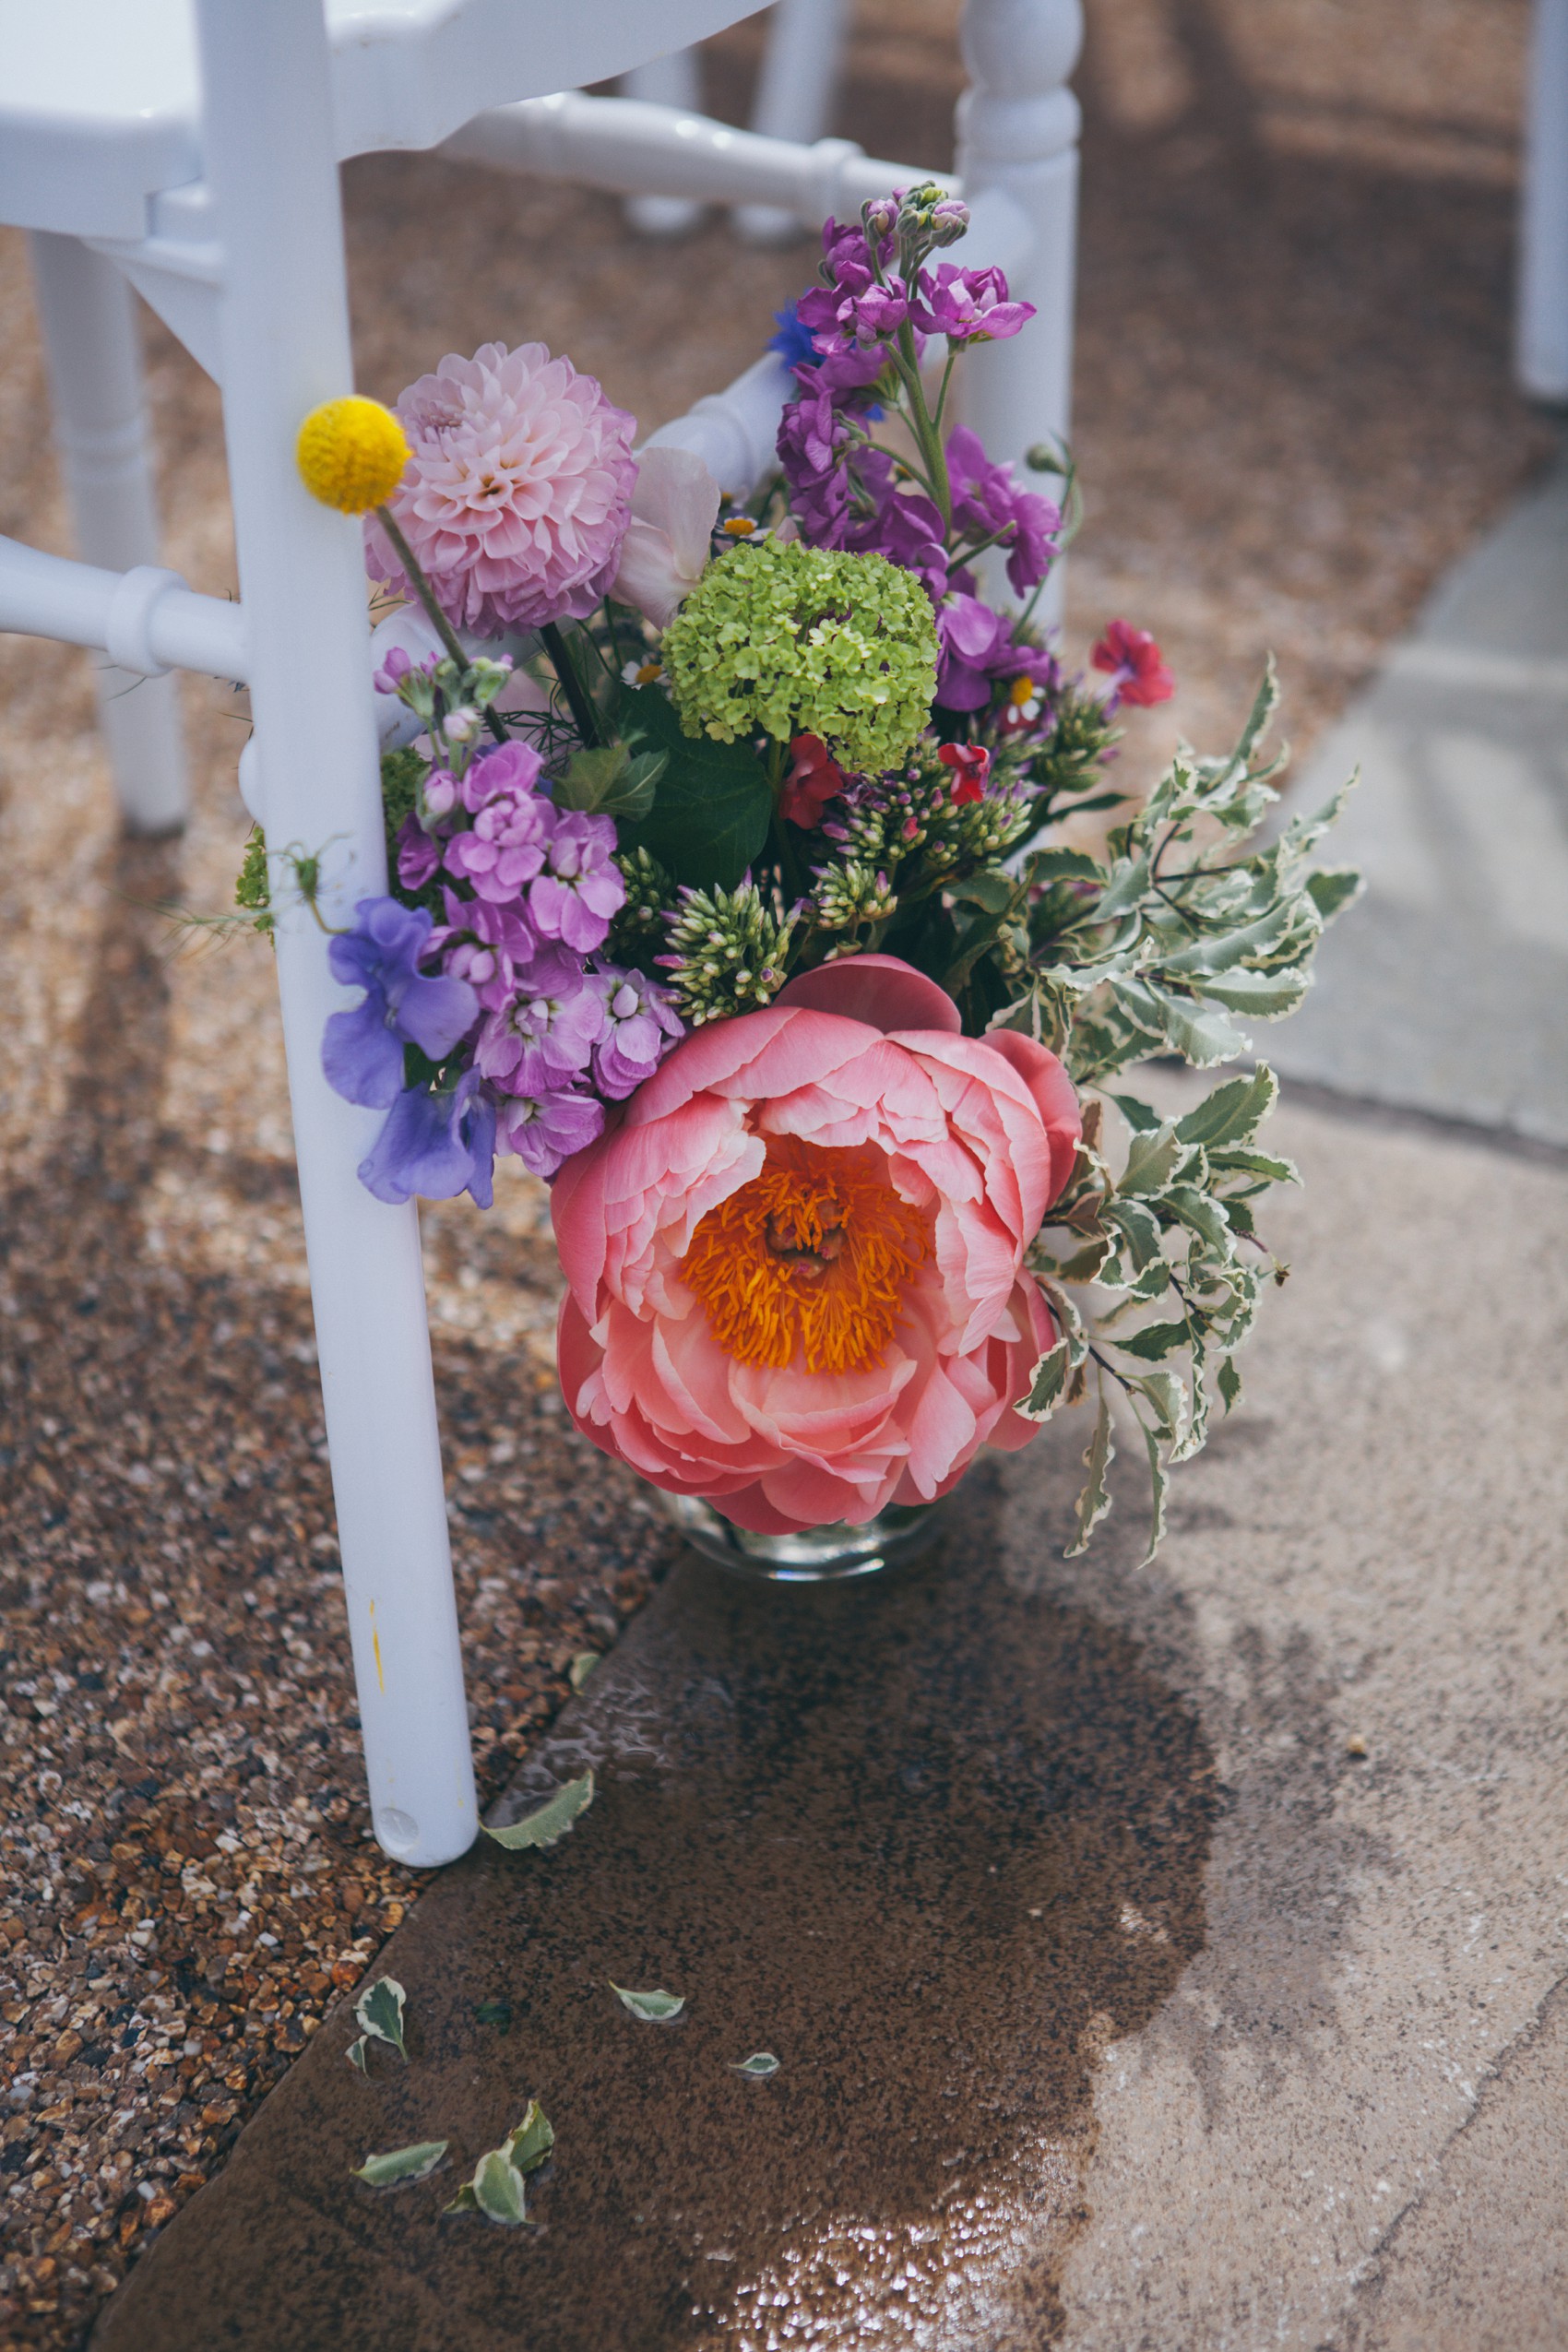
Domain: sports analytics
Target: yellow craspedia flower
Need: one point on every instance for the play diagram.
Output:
(351, 453)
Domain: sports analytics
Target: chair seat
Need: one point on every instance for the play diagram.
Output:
(100, 99)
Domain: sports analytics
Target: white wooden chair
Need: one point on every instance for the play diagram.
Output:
(1541, 324)
(794, 93)
(189, 149)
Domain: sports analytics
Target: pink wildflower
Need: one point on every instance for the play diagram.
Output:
(516, 499)
(1137, 669)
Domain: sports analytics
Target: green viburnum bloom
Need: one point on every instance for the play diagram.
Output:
(782, 639)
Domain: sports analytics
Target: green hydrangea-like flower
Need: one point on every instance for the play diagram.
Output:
(782, 639)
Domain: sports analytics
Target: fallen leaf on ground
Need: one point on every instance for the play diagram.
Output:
(416, 2162)
(758, 2066)
(527, 2146)
(582, 1665)
(495, 2190)
(495, 2013)
(551, 1822)
(657, 2007)
(379, 2013)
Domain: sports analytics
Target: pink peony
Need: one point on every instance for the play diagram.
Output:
(516, 500)
(796, 1260)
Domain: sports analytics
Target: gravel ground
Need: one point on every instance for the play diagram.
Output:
(1293, 412)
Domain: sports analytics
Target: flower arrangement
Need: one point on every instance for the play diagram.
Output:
(729, 895)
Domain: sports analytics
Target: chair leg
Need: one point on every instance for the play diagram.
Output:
(1541, 333)
(794, 99)
(86, 310)
(1018, 130)
(284, 347)
(675, 80)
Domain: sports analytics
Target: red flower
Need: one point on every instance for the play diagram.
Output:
(1138, 672)
(972, 762)
(815, 779)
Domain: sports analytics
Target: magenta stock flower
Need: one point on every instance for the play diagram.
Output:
(575, 897)
(545, 1037)
(988, 502)
(968, 305)
(545, 1129)
(512, 825)
(640, 1025)
(418, 856)
(516, 499)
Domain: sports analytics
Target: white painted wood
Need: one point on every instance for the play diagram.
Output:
(674, 80)
(794, 96)
(149, 616)
(1018, 139)
(1541, 329)
(90, 338)
(284, 333)
(621, 143)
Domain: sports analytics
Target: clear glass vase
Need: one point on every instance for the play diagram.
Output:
(820, 1555)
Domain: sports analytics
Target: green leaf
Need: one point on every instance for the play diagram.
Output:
(1128, 885)
(757, 2067)
(551, 1822)
(527, 2146)
(656, 2008)
(1155, 1341)
(1066, 865)
(497, 2187)
(356, 2054)
(1139, 1227)
(1254, 1163)
(582, 1665)
(1168, 1395)
(1095, 1500)
(1230, 1381)
(379, 2011)
(1233, 1112)
(1202, 1039)
(416, 2162)
(1153, 1159)
(608, 782)
(1159, 1483)
(991, 889)
(1332, 890)
(1269, 996)
(1046, 1383)
(1200, 1214)
(712, 803)
(1142, 1120)
(494, 2012)
(1223, 951)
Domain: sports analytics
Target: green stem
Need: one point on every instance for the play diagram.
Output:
(942, 389)
(571, 686)
(924, 426)
(426, 596)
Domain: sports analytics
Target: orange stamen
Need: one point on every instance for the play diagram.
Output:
(809, 1260)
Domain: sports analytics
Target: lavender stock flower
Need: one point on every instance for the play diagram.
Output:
(640, 1024)
(436, 1145)
(990, 503)
(362, 1050)
(545, 1129)
(575, 898)
(544, 1037)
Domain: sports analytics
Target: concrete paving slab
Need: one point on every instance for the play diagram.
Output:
(1277, 2063)
(1446, 988)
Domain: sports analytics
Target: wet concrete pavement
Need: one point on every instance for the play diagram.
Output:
(1278, 2062)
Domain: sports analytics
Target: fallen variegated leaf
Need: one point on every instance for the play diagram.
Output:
(379, 2011)
(582, 1665)
(527, 2146)
(495, 2013)
(657, 2007)
(551, 1822)
(355, 2054)
(414, 2163)
(495, 2190)
(757, 2067)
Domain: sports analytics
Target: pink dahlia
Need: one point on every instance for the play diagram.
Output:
(516, 499)
(795, 1264)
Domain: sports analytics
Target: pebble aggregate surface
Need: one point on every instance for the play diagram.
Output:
(1294, 412)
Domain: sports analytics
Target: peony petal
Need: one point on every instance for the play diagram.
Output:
(1056, 1097)
(882, 991)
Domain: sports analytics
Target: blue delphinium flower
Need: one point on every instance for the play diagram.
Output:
(436, 1145)
(362, 1050)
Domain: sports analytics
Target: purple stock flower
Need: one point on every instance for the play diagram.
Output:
(813, 445)
(968, 305)
(544, 1036)
(545, 1129)
(511, 824)
(573, 900)
(640, 1024)
(904, 527)
(393, 671)
(487, 946)
(436, 1145)
(418, 856)
(362, 1050)
(977, 644)
(989, 500)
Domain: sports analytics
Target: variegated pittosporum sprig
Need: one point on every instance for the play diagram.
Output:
(1151, 953)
